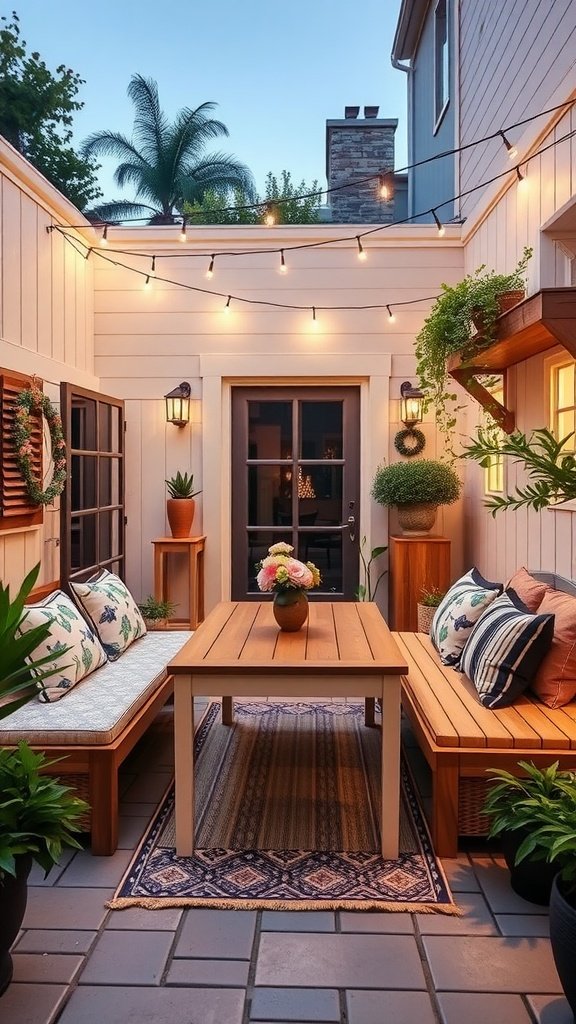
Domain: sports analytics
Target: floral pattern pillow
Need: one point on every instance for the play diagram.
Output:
(68, 628)
(112, 610)
(458, 613)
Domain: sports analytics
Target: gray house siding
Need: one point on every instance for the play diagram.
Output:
(433, 183)
(513, 56)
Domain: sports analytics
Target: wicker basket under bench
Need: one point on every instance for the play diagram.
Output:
(461, 739)
(95, 726)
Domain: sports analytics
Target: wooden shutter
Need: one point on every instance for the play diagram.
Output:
(16, 509)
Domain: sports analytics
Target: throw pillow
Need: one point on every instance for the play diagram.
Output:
(505, 649)
(68, 629)
(112, 610)
(530, 591)
(555, 682)
(458, 612)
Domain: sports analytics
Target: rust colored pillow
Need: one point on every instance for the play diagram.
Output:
(530, 591)
(555, 682)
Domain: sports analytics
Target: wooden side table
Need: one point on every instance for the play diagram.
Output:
(193, 548)
(415, 563)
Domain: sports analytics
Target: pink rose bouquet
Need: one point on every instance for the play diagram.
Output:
(279, 571)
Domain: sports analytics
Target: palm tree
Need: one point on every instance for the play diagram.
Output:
(165, 162)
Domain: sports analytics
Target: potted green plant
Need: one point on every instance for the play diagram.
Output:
(451, 325)
(416, 488)
(427, 605)
(180, 505)
(537, 813)
(156, 613)
(38, 815)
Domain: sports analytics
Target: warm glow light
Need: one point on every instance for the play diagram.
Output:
(178, 405)
(315, 323)
(521, 178)
(283, 267)
(270, 217)
(384, 191)
(210, 271)
(183, 230)
(439, 224)
(391, 317)
(104, 239)
(512, 151)
(362, 255)
(227, 306)
(147, 281)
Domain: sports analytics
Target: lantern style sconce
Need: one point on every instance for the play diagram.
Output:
(178, 405)
(410, 441)
(411, 405)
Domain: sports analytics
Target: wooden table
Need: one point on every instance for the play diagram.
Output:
(193, 549)
(345, 650)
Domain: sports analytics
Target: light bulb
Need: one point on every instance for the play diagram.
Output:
(391, 317)
(227, 306)
(362, 255)
(104, 239)
(210, 271)
(183, 230)
(147, 281)
(439, 224)
(283, 268)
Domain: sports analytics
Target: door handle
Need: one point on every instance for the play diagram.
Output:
(352, 528)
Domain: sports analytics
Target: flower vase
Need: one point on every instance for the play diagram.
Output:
(290, 609)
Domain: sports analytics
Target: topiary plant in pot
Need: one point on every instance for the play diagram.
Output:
(416, 488)
(180, 505)
(538, 811)
(37, 814)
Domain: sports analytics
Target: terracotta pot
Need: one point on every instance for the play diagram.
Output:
(13, 897)
(506, 301)
(180, 515)
(563, 940)
(416, 520)
(290, 610)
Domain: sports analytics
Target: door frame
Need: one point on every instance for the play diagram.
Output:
(220, 372)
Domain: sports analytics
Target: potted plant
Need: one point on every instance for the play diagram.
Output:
(427, 605)
(451, 324)
(156, 613)
(416, 488)
(180, 505)
(538, 812)
(38, 815)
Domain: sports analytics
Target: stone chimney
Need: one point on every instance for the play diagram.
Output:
(357, 148)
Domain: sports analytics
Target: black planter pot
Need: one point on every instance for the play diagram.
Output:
(531, 879)
(563, 939)
(13, 896)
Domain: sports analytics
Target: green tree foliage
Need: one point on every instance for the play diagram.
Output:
(36, 114)
(165, 162)
(218, 208)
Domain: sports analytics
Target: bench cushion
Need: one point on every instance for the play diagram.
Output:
(99, 707)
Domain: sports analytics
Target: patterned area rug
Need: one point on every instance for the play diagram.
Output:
(287, 818)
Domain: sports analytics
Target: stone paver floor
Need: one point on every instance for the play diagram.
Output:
(78, 963)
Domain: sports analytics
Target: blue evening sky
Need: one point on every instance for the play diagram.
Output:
(277, 71)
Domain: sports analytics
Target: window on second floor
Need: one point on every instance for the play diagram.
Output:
(441, 61)
(563, 401)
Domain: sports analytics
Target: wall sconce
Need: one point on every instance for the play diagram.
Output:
(178, 405)
(411, 402)
(410, 441)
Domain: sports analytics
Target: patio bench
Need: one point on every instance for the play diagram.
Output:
(461, 739)
(95, 726)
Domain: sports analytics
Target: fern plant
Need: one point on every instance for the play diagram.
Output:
(551, 470)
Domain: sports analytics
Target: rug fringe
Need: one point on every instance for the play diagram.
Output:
(151, 903)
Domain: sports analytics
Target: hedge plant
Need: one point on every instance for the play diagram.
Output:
(421, 481)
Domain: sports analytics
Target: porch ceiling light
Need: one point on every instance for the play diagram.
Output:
(178, 405)
(411, 403)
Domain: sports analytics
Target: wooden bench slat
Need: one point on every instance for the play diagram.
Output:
(548, 729)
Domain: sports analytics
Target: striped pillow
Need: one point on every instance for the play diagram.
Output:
(458, 613)
(505, 649)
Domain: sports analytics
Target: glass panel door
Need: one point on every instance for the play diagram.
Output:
(295, 477)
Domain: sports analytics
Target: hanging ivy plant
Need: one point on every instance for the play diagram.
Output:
(29, 402)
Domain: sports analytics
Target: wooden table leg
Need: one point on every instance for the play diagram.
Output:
(390, 819)
(184, 765)
(227, 711)
(369, 718)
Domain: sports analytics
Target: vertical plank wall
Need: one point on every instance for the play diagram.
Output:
(45, 325)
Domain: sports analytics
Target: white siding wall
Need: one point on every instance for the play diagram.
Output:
(46, 298)
(515, 58)
(147, 341)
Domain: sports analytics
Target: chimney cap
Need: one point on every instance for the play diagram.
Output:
(371, 111)
(351, 112)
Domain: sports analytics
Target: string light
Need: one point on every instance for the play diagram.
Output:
(147, 281)
(183, 230)
(362, 255)
(227, 306)
(383, 191)
(314, 320)
(391, 317)
(283, 267)
(210, 271)
(520, 176)
(512, 151)
(104, 239)
(439, 224)
(88, 252)
(270, 217)
(153, 264)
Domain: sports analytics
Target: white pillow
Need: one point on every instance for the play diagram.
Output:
(68, 628)
(112, 610)
(458, 613)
